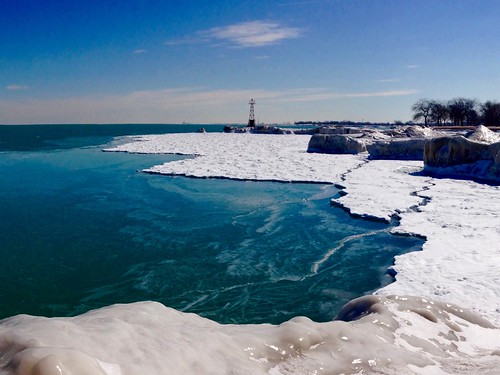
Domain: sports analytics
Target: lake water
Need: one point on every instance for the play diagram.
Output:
(81, 229)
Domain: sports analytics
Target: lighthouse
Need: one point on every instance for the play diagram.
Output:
(251, 118)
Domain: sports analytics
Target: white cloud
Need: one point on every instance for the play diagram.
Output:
(412, 66)
(140, 51)
(246, 34)
(251, 34)
(17, 87)
(388, 80)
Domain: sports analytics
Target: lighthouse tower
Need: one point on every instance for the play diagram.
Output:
(251, 118)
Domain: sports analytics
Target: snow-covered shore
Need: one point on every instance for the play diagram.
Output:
(241, 156)
(460, 219)
(459, 264)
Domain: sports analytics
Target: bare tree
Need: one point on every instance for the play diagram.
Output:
(462, 111)
(456, 111)
(422, 109)
(490, 113)
(439, 112)
(472, 116)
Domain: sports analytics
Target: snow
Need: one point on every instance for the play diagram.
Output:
(460, 261)
(459, 264)
(242, 156)
(484, 135)
(384, 335)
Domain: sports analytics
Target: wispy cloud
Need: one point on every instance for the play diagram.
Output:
(311, 95)
(388, 80)
(245, 34)
(169, 105)
(412, 66)
(381, 93)
(252, 34)
(140, 51)
(17, 87)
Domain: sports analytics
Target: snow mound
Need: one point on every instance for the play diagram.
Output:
(373, 334)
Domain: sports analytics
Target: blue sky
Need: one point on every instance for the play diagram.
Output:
(200, 61)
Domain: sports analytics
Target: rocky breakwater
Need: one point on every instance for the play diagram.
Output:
(259, 129)
(475, 155)
(405, 143)
(395, 143)
(341, 140)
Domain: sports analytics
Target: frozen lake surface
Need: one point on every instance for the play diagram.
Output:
(426, 334)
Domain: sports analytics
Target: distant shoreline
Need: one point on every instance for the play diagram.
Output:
(451, 127)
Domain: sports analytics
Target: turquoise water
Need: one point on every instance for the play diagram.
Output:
(81, 229)
(48, 137)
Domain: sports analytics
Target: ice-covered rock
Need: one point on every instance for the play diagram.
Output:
(265, 129)
(404, 143)
(413, 131)
(335, 144)
(268, 129)
(477, 156)
(450, 151)
(339, 130)
(400, 149)
(400, 143)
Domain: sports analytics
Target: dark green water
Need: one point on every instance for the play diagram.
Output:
(81, 229)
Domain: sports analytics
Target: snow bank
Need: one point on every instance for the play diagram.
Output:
(393, 335)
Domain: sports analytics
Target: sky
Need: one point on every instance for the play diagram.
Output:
(200, 61)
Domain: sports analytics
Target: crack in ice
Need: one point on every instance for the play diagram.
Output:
(316, 265)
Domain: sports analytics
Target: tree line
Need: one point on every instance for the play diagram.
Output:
(458, 111)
